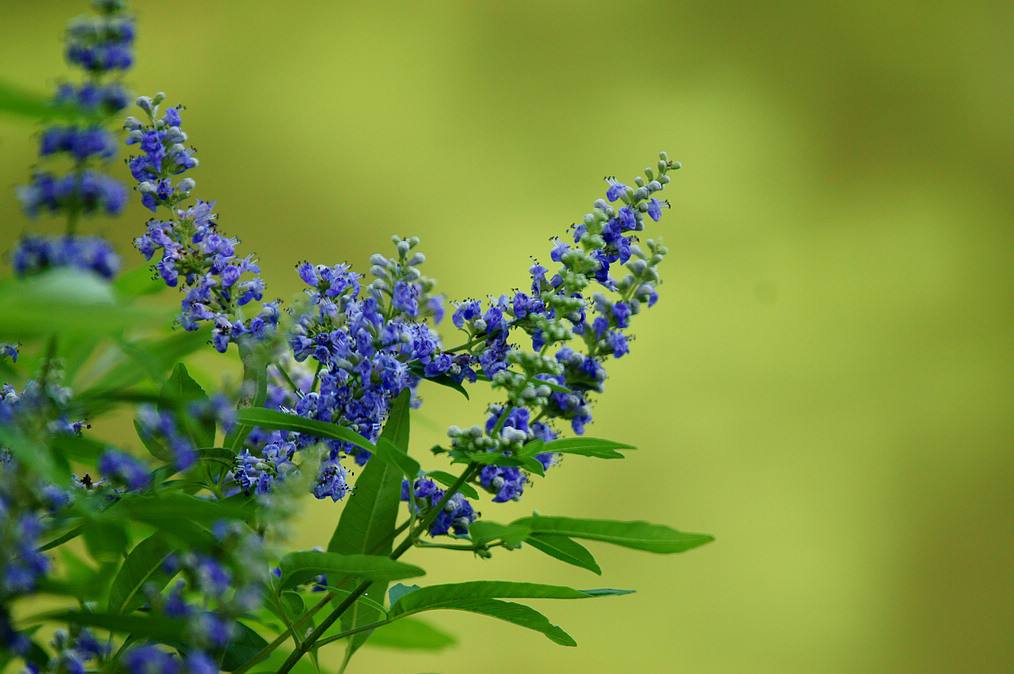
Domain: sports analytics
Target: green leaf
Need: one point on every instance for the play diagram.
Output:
(65, 301)
(637, 535)
(367, 523)
(157, 628)
(105, 540)
(443, 380)
(33, 455)
(244, 645)
(275, 420)
(138, 282)
(565, 549)
(78, 447)
(181, 388)
(518, 614)
(593, 447)
(387, 452)
(529, 463)
(142, 566)
(411, 634)
(448, 480)
(444, 596)
(484, 531)
(20, 102)
(148, 359)
(300, 567)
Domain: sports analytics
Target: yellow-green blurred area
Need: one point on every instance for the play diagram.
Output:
(826, 382)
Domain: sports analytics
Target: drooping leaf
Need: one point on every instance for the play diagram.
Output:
(275, 420)
(411, 634)
(518, 614)
(143, 566)
(300, 567)
(447, 480)
(637, 535)
(565, 549)
(442, 380)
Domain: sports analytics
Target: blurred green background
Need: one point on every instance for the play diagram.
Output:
(826, 383)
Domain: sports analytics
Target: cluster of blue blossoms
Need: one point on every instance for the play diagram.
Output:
(193, 254)
(101, 45)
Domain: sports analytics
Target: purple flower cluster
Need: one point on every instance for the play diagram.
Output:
(571, 334)
(97, 44)
(90, 253)
(455, 516)
(122, 469)
(214, 588)
(85, 192)
(371, 344)
(192, 253)
(104, 42)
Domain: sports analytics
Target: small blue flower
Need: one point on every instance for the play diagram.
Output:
(121, 468)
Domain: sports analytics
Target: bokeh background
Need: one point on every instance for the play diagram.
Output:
(826, 383)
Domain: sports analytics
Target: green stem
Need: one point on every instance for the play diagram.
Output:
(361, 589)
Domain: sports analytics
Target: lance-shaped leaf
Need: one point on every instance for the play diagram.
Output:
(638, 535)
(565, 549)
(143, 566)
(299, 567)
(368, 520)
(582, 446)
(446, 479)
(280, 421)
(452, 594)
(387, 452)
(483, 531)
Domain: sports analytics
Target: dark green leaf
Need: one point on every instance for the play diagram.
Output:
(368, 520)
(411, 634)
(529, 463)
(593, 447)
(387, 452)
(105, 540)
(637, 535)
(181, 388)
(484, 531)
(78, 447)
(157, 628)
(244, 645)
(447, 480)
(443, 380)
(143, 566)
(442, 596)
(300, 567)
(275, 420)
(518, 614)
(565, 549)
